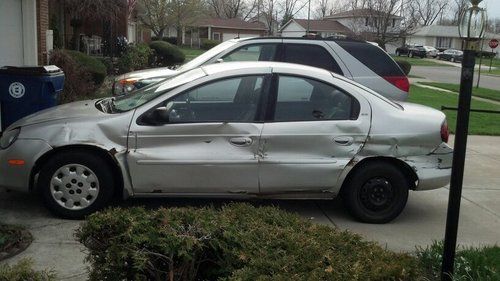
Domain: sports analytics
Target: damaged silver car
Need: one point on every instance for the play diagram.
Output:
(237, 130)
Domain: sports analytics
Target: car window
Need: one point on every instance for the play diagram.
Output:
(312, 55)
(373, 57)
(229, 100)
(255, 52)
(303, 99)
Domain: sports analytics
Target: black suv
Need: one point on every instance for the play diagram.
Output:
(411, 51)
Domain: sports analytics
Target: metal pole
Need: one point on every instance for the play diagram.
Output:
(491, 59)
(308, 17)
(480, 62)
(457, 171)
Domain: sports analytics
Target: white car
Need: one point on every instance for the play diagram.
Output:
(431, 51)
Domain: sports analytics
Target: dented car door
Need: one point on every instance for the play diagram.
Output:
(208, 145)
(314, 131)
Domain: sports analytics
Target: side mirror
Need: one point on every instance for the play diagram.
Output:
(159, 116)
(219, 60)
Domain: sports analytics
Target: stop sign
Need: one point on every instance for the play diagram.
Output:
(493, 43)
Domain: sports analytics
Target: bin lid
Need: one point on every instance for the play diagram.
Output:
(47, 70)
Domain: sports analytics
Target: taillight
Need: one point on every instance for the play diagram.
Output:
(445, 133)
(401, 82)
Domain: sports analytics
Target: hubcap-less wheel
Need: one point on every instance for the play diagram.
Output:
(377, 194)
(74, 186)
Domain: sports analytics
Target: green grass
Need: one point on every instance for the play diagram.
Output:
(478, 92)
(474, 264)
(419, 61)
(479, 123)
(191, 53)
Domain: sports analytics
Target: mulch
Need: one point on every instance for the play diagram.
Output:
(18, 240)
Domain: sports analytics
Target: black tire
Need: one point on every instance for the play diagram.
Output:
(98, 169)
(364, 199)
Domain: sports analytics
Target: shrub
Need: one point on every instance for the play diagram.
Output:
(23, 271)
(209, 44)
(166, 54)
(171, 40)
(405, 66)
(78, 82)
(96, 68)
(236, 242)
(109, 64)
(135, 57)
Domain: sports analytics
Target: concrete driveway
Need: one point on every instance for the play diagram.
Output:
(451, 74)
(422, 221)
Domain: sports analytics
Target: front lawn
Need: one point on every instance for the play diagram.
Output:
(478, 92)
(480, 123)
(191, 53)
(419, 61)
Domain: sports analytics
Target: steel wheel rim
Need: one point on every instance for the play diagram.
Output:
(377, 194)
(74, 187)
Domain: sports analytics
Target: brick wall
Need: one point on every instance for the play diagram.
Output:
(42, 24)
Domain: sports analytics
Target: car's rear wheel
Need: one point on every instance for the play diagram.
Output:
(76, 184)
(376, 192)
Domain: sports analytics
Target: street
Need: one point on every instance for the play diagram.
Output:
(422, 221)
(446, 74)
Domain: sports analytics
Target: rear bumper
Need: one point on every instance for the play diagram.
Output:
(433, 170)
(17, 177)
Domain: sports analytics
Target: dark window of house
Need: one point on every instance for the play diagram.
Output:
(303, 99)
(312, 55)
(373, 57)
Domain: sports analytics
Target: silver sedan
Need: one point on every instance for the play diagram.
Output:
(238, 130)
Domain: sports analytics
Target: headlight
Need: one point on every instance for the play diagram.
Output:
(9, 138)
(125, 86)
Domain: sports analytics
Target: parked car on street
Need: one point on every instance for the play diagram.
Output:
(430, 51)
(411, 51)
(451, 55)
(360, 61)
(238, 130)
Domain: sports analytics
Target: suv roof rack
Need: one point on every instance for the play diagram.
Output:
(347, 39)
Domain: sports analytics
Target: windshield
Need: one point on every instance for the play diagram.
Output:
(199, 60)
(142, 96)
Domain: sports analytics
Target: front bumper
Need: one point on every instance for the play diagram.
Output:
(433, 170)
(17, 177)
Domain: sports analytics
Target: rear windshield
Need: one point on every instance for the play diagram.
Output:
(373, 57)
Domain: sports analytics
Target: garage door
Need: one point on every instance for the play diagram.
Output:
(229, 36)
(11, 32)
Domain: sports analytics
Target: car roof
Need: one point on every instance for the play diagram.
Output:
(348, 39)
(216, 68)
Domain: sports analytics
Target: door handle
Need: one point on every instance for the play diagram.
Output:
(343, 140)
(241, 141)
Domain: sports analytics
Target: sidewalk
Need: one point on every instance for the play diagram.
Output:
(422, 221)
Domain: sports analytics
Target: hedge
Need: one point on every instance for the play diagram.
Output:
(166, 54)
(209, 44)
(23, 271)
(93, 65)
(135, 57)
(235, 242)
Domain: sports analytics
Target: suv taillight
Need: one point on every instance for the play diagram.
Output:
(401, 82)
(445, 132)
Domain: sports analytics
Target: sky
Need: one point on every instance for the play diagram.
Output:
(493, 8)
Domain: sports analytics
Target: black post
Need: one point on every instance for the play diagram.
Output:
(457, 171)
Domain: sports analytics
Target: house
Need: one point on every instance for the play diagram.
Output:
(444, 37)
(23, 26)
(366, 24)
(218, 29)
(323, 28)
(270, 22)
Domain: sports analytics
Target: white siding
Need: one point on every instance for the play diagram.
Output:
(293, 29)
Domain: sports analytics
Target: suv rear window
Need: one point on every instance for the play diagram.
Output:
(373, 57)
(312, 55)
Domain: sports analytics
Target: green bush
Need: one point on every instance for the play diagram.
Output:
(405, 66)
(135, 57)
(78, 82)
(236, 242)
(470, 263)
(171, 40)
(23, 271)
(166, 54)
(209, 44)
(96, 68)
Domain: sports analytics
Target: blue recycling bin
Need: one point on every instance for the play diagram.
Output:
(26, 90)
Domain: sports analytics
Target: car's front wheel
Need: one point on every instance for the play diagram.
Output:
(377, 192)
(76, 184)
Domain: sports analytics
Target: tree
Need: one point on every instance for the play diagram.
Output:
(184, 13)
(289, 8)
(428, 11)
(459, 6)
(155, 15)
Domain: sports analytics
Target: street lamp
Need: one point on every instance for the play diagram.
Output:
(471, 29)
